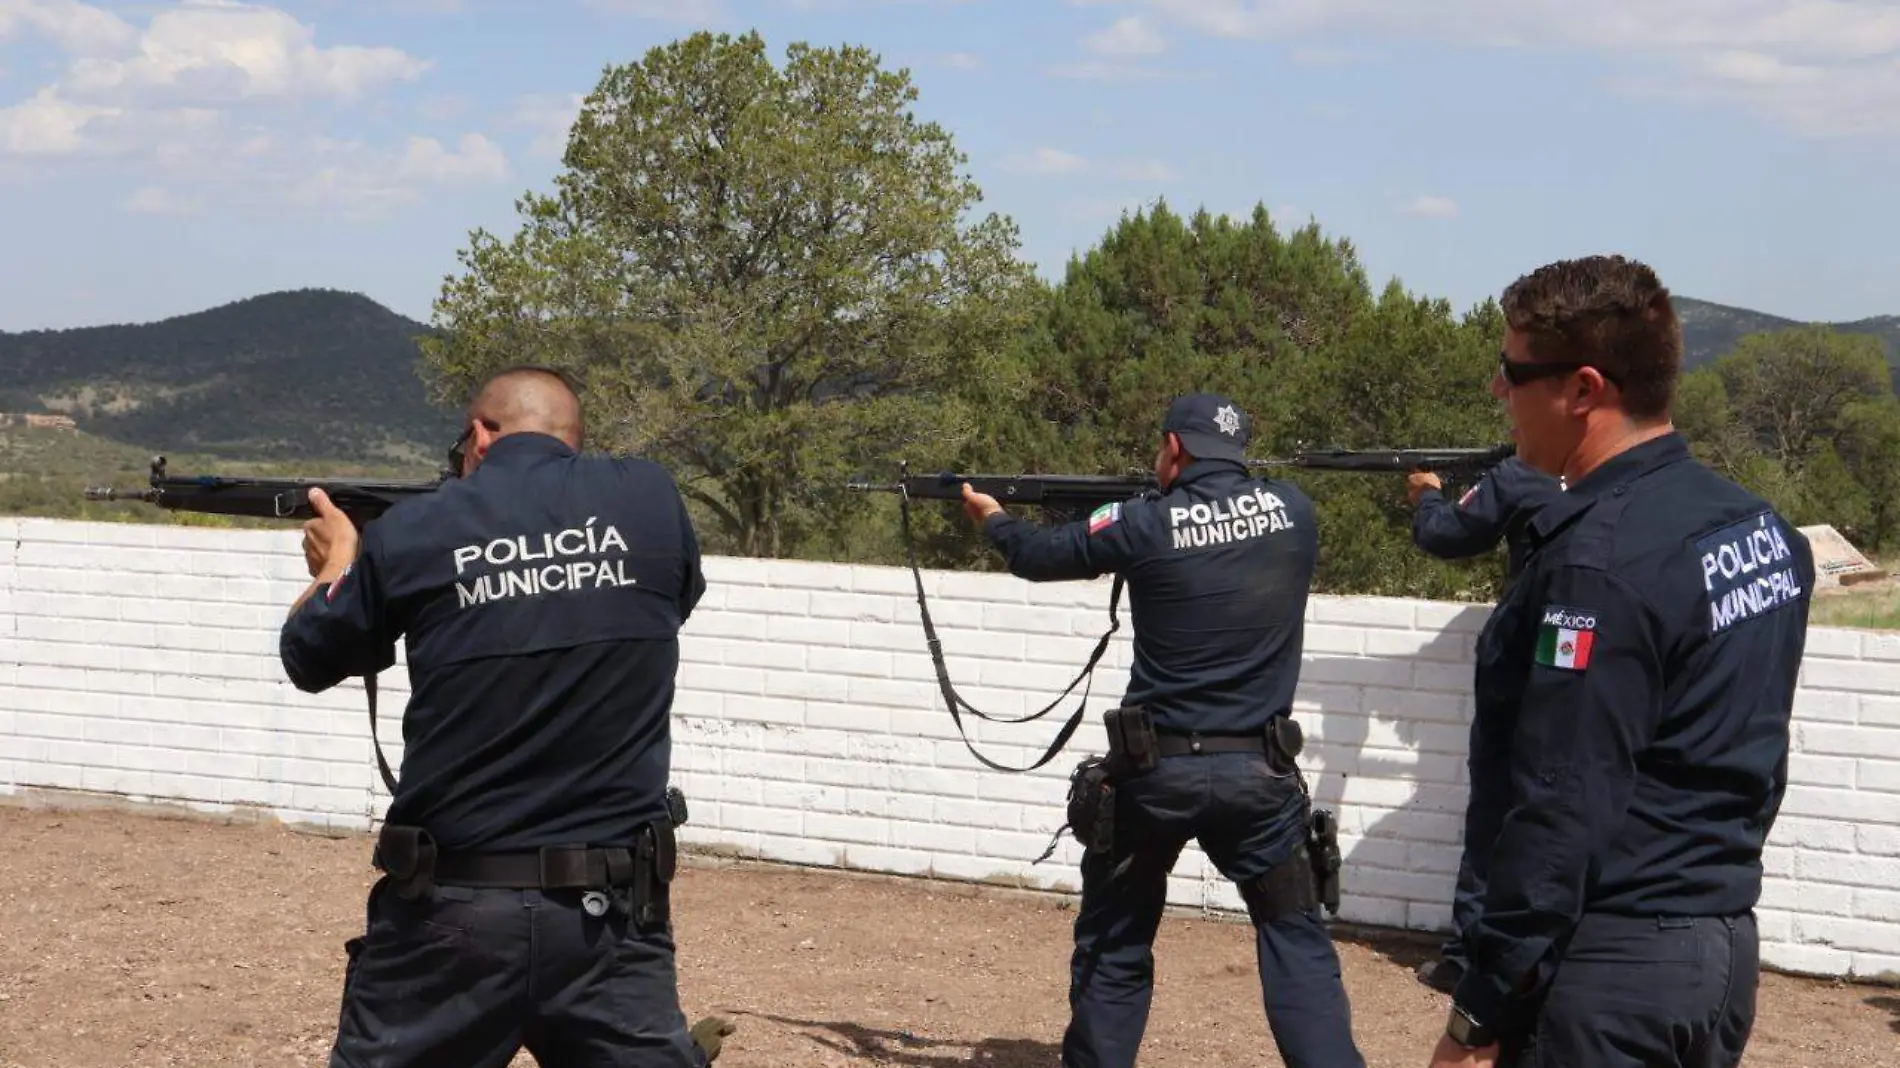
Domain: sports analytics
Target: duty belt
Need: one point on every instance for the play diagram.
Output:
(1168, 743)
(548, 868)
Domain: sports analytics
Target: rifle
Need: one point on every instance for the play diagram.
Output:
(363, 500)
(1064, 498)
(1455, 463)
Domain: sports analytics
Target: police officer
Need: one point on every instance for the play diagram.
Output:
(1646, 660)
(527, 849)
(1218, 567)
(1497, 508)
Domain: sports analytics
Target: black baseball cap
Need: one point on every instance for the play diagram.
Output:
(1210, 426)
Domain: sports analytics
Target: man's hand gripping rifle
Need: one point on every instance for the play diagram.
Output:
(1064, 498)
(362, 500)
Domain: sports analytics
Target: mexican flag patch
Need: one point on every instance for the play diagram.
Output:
(1565, 638)
(1103, 516)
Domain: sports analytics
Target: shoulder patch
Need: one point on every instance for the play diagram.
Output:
(1748, 569)
(1104, 517)
(1565, 637)
(1468, 494)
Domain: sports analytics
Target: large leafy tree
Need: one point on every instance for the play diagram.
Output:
(765, 276)
(1807, 418)
(1286, 323)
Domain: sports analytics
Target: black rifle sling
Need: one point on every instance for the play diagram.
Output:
(956, 702)
(389, 780)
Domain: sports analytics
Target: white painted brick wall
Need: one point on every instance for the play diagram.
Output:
(141, 660)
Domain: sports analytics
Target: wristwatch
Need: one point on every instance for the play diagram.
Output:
(1465, 1030)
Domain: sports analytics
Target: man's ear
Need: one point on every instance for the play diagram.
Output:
(1590, 391)
(483, 435)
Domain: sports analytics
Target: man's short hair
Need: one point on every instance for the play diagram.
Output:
(1609, 312)
(560, 374)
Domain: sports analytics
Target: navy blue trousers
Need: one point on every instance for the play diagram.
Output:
(469, 977)
(1642, 992)
(1247, 819)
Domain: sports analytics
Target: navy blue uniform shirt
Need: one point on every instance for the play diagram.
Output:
(540, 600)
(1645, 663)
(1499, 506)
(1218, 570)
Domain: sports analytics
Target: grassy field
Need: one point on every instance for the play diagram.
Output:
(1875, 609)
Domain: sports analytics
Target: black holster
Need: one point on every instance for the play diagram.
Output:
(1132, 749)
(1285, 741)
(1092, 805)
(1322, 849)
(655, 863)
(407, 855)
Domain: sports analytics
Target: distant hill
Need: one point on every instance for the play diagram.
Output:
(281, 376)
(1709, 330)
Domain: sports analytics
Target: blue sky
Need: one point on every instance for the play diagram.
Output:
(160, 158)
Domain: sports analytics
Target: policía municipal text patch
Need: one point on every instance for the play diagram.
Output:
(1565, 637)
(1748, 569)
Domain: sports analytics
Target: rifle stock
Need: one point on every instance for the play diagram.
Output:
(363, 500)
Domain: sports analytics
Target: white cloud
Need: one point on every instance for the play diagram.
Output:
(197, 57)
(547, 117)
(1047, 161)
(45, 125)
(1429, 206)
(690, 12)
(1816, 66)
(361, 182)
(75, 27)
(474, 159)
(1128, 36)
(201, 103)
(962, 61)
(1056, 161)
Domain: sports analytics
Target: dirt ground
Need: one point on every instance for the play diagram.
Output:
(129, 940)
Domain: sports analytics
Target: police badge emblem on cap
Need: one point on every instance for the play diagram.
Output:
(1210, 426)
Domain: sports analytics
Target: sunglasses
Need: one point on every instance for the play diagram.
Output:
(1518, 372)
(458, 452)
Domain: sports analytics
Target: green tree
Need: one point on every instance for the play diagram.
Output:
(1870, 447)
(764, 276)
(1807, 418)
(1788, 388)
(1287, 325)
